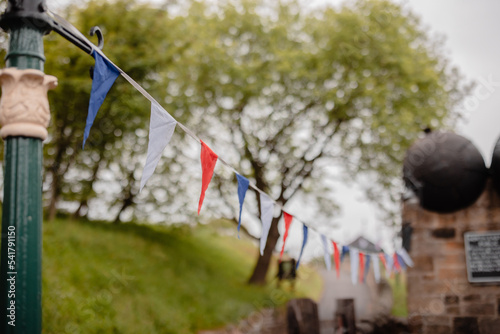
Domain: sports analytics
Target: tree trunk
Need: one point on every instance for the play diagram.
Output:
(129, 197)
(78, 213)
(57, 170)
(117, 218)
(262, 266)
(86, 191)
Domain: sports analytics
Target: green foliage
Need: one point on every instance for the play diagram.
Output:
(104, 278)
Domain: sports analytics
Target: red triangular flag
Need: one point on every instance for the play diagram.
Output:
(208, 161)
(397, 266)
(382, 258)
(336, 255)
(288, 221)
(361, 267)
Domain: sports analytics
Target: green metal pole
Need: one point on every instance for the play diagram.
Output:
(21, 238)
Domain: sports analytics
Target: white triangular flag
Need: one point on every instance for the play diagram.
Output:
(354, 256)
(161, 129)
(266, 215)
(328, 259)
(376, 267)
(406, 257)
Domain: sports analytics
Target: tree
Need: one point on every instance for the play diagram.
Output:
(285, 92)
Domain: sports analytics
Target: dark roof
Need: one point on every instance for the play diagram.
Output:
(364, 245)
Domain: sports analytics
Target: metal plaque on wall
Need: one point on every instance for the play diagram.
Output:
(482, 252)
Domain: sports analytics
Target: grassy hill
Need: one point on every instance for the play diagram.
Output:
(104, 278)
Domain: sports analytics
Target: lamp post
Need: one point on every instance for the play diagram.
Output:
(24, 115)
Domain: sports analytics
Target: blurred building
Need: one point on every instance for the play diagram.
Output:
(452, 232)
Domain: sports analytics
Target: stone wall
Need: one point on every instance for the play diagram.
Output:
(440, 298)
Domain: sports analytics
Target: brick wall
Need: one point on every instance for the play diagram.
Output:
(440, 298)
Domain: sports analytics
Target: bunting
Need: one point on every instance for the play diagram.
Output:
(401, 262)
(395, 262)
(337, 258)
(208, 161)
(328, 261)
(354, 257)
(389, 264)
(243, 184)
(367, 267)
(361, 267)
(304, 241)
(266, 208)
(161, 129)
(384, 261)
(406, 257)
(104, 77)
(345, 250)
(288, 221)
(376, 268)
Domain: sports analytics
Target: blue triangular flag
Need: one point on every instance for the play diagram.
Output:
(304, 229)
(345, 250)
(105, 75)
(242, 191)
(401, 261)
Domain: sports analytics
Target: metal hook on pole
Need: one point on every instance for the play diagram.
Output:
(100, 38)
(100, 44)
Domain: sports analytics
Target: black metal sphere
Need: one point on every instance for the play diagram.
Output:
(446, 172)
(495, 166)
